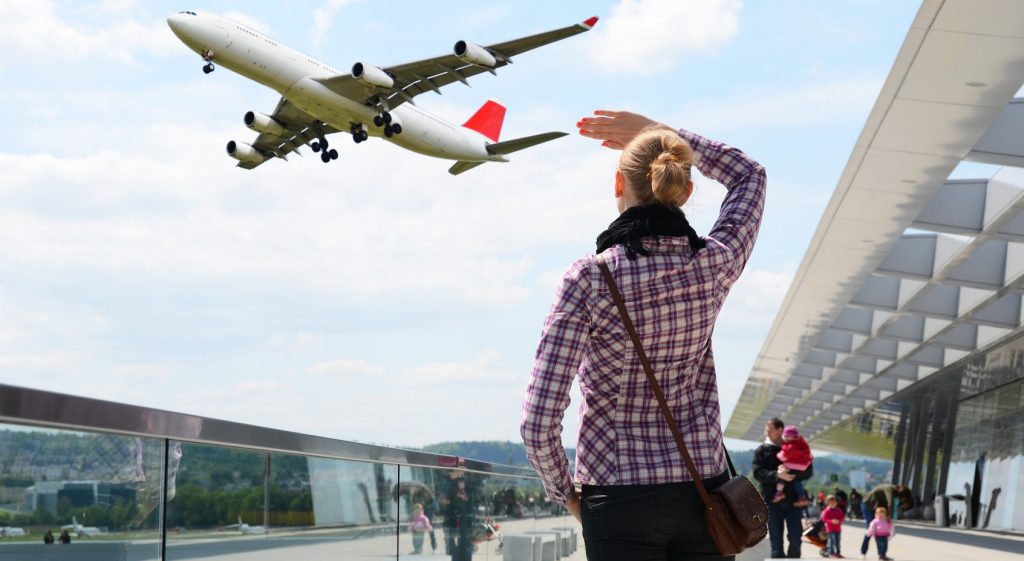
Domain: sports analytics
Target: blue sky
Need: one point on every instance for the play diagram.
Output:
(378, 298)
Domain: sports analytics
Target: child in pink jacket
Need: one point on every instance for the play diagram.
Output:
(419, 525)
(882, 528)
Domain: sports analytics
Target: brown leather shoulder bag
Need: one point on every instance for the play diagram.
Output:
(737, 516)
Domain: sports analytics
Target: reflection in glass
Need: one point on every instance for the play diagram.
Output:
(67, 487)
(987, 460)
(470, 512)
(233, 502)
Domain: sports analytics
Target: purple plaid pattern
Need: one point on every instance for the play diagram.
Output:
(674, 298)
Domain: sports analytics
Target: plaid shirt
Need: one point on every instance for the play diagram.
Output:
(673, 297)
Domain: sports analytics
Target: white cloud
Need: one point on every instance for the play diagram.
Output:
(34, 31)
(642, 37)
(323, 20)
(485, 369)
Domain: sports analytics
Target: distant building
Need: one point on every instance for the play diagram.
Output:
(48, 494)
(858, 479)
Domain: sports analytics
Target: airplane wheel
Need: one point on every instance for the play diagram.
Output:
(208, 68)
(325, 156)
(315, 146)
(396, 128)
(378, 121)
(334, 154)
(386, 116)
(387, 131)
(363, 135)
(356, 137)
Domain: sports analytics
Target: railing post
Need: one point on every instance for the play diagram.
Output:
(164, 500)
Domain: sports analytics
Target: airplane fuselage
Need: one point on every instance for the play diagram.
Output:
(294, 75)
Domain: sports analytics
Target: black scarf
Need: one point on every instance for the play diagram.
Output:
(644, 221)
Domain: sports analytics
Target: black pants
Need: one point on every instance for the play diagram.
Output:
(648, 522)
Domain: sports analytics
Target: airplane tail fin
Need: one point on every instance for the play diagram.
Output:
(488, 119)
(507, 147)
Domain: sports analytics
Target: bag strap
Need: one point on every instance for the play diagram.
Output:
(656, 387)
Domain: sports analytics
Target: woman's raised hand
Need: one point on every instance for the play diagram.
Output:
(615, 128)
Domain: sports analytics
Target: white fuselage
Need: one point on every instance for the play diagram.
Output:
(293, 74)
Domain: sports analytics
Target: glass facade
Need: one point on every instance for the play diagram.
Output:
(959, 433)
(111, 496)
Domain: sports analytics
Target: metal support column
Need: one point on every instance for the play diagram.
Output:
(938, 423)
(953, 408)
(901, 438)
(920, 441)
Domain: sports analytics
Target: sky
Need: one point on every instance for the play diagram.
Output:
(378, 298)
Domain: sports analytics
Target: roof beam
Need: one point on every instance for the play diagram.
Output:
(1003, 144)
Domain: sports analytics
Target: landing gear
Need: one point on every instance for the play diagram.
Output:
(208, 59)
(358, 134)
(383, 119)
(328, 155)
(321, 145)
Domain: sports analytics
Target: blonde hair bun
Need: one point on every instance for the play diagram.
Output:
(657, 165)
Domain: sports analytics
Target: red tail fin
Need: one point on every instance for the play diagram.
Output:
(488, 119)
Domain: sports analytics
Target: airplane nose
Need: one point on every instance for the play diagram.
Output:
(177, 23)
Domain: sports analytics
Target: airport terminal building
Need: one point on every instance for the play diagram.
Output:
(901, 336)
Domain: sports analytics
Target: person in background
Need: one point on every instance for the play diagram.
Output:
(419, 525)
(48, 537)
(881, 528)
(842, 500)
(637, 498)
(459, 501)
(833, 517)
(821, 499)
(795, 457)
(882, 496)
(65, 537)
(782, 515)
(854, 506)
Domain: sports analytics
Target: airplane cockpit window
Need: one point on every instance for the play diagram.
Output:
(188, 12)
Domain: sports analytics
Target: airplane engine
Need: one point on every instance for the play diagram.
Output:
(263, 123)
(244, 152)
(474, 54)
(372, 75)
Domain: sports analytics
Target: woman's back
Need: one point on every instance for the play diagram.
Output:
(673, 293)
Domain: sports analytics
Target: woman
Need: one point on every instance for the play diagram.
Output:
(638, 501)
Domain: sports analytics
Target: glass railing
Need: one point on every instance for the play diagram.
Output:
(87, 479)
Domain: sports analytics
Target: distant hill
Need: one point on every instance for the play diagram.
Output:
(829, 470)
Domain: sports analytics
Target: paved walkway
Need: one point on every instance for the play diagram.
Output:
(911, 543)
(919, 542)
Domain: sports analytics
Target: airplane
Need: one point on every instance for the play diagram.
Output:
(247, 529)
(12, 532)
(318, 100)
(82, 531)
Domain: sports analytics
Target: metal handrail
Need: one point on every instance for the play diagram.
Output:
(50, 409)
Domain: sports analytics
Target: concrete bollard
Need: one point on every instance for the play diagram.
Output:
(519, 547)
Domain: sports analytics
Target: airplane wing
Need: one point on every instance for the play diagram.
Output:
(299, 132)
(432, 74)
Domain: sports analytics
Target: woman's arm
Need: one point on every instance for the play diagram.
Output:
(740, 216)
(559, 353)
